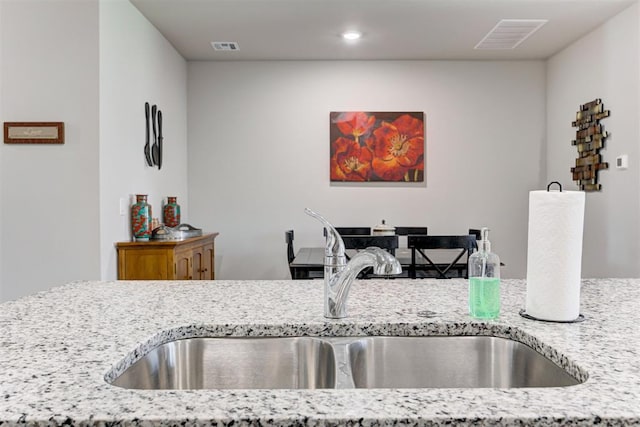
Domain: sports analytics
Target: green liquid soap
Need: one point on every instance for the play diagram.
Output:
(484, 297)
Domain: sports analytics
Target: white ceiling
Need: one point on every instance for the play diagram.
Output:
(392, 29)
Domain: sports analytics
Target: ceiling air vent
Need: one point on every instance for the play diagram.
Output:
(230, 46)
(509, 33)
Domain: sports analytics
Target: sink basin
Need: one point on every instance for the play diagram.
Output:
(343, 362)
(451, 362)
(234, 363)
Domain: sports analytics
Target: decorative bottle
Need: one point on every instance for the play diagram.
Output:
(141, 218)
(171, 212)
(484, 280)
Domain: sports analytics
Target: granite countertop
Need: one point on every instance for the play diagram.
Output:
(57, 346)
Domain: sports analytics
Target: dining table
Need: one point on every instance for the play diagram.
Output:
(309, 260)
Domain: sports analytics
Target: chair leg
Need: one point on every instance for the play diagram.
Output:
(412, 267)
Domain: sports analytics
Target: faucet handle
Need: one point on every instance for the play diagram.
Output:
(335, 245)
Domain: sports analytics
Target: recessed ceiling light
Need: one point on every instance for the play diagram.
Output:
(351, 35)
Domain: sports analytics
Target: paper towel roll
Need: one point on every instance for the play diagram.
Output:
(554, 255)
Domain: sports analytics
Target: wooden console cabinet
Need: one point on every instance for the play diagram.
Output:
(189, 259)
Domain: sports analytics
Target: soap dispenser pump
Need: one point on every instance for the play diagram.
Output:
(484, 280)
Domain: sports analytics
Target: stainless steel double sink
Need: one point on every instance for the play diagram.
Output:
(342, 363)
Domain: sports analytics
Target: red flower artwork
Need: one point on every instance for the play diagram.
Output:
(355, 123)
(377, 146)
(351, 161)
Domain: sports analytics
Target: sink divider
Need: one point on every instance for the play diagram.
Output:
(344, 377)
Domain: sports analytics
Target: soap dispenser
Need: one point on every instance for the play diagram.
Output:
(484, 280)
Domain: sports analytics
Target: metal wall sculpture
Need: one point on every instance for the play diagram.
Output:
(590, 138)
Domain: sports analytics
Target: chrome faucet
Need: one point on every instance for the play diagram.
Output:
(339, 275)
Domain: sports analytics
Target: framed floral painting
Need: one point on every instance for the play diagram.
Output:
(377, 146)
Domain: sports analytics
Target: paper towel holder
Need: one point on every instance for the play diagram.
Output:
(554, 182)
(524, 314)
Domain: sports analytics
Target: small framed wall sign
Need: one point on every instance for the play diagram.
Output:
(34, 132)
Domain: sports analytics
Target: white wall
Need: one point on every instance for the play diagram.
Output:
(258, 150)
(137, 65)
(49, 209)
(603, 64)
(259, 153)
(1, 187)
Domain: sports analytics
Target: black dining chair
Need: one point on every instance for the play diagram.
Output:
(405, 231)
(477, 234)
(288, 237)
(310, 274)
(388, 243)
(354, 231)
(458, 248)
(351, 231)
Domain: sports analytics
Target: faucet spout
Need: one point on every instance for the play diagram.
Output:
(335, 245)
(338, 286)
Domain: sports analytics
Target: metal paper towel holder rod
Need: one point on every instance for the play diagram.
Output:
(554, 182)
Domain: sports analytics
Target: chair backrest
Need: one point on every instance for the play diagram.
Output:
(405, 231)
(350, 231)
(288, 237)
(389, 243)
(354, 231)
(477, 234)
(419, 245)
